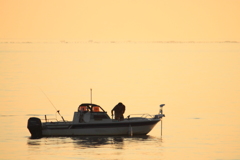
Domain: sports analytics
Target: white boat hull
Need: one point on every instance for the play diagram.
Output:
(126, 127)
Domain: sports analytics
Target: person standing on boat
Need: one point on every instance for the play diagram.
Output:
(119, 110)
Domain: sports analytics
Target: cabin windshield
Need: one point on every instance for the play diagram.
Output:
(88, 107)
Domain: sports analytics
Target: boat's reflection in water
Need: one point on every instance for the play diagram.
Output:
(82, 142)
(97, 141)
(101, 141)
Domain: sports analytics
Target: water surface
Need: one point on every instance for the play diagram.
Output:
(198, 82)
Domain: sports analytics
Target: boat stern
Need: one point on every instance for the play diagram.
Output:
(35, 127)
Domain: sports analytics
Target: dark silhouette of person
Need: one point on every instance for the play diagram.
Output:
(119, 110)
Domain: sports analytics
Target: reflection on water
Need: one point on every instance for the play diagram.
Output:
(99, 141)
(93, 141)
(96, 147)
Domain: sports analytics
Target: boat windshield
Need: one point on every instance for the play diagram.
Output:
(88, 107)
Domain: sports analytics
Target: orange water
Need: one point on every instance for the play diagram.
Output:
(199, 83)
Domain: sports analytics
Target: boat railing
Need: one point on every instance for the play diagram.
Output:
(137, 116)
(51, 119)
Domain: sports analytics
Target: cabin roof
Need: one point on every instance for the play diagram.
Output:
(88, 104)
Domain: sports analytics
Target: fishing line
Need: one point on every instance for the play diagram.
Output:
(58, 111)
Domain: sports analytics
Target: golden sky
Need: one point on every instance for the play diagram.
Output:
(142, 20)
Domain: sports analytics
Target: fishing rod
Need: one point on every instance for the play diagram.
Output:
(58, 111)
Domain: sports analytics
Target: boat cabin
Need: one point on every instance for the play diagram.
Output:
(88, 112)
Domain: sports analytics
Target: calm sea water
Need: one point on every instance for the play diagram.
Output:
(198, 82)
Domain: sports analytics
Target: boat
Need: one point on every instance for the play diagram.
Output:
(92, 120)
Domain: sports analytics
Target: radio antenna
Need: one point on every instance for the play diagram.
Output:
(91, 95)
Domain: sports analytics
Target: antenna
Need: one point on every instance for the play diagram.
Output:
(91, 95)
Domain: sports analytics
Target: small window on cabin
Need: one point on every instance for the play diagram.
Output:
(96, 109)
(83, 108)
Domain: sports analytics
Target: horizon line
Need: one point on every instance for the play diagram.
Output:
(109, 41)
